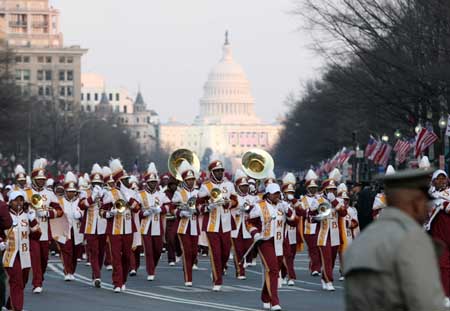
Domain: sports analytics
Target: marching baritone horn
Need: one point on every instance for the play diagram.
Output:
(179, 156)
(257, 163)
(37, 203)
(189, 205)
(121, 206)
(324, 210)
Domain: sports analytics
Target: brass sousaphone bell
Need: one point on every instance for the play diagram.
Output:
(177, 157)
(257, 163)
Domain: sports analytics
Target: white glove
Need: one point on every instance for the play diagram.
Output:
(3, 246)
(43, 213)
(212, 206)
(127, 193)
(331, 197)
(257, 237)
(83, 195)
(76, 214)
(185, 214)
(147, 213)
(31, 215)
(156, 210)
(109, 215)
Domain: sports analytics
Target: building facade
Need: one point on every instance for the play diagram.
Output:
(141, 123)
(227, 123)
(42, 64)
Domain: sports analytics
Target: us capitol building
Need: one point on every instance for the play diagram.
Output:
(227, 124)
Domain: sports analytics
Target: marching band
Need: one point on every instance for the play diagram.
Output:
(114, 217)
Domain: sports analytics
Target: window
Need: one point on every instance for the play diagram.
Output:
(82, 108)
(62, 75)
(70, 59)
(88, 108)
(62, 59)
(62, 91)
(138, 134)
(88, 95)
(18, 74)
(125, 109)
(116, 109)
(26, 59)
(40, 59)
(117, 97)
(26, 75)
(48, 59)
(148, 120)
(110, 97)
(69, 75)
(40, 75)
(69, 106)
(95, 96)
(41, 91)
(70, 91)
(82, 96)
(18, 59)
(48, 75)
(48, 91)
(137, 120)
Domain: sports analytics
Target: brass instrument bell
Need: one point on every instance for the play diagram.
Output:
(37, 203)
(121, 206)
(324, 211)
(257, 163)
(179, 156)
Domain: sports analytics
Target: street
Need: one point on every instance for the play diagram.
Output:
(167, 292)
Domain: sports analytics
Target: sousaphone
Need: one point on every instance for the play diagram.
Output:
(257, 163)
(177, 157)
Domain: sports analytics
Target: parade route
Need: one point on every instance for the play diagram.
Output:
(168, 293)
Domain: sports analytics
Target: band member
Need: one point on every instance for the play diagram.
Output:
(154, 204)
(50, 209)
(108, 184)
(379, 202)
(241, 238)
(261, 224)
(310, 202)
(217, 221)
(293, 240)
(439, 225)
(70, 243)
(118, 206)
(136, 248)
(173, 244)
(188, 226)
(21, 178)
(93, 225)
(16, 247)
(253, 191)
(330, 237)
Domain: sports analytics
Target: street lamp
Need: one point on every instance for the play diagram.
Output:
(443, 125)
(418, 128)
(385, 138)
(442, 122)
(398, 134)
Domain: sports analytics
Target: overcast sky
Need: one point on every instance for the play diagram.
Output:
(169, 46)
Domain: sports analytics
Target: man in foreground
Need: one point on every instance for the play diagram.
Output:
(393, 264)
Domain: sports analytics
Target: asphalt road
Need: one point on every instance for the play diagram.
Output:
(167, 292)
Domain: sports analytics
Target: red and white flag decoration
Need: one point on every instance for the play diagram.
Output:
(382, 154)
(424, 139)
(402, 149)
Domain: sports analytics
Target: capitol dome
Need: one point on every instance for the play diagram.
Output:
(227, 98)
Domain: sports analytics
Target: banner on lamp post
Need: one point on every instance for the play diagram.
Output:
(441, 162)
(447, 132)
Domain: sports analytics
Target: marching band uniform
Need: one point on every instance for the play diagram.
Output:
(188, 226)
(172, 241)
(93, 226)
(379, 202)
(217, 221)
(439, 225)
(70, 243)
(330, 236)
(309, 202)
(136, 248)
(51, 209)
(108, 184)
(154, 204)
(120, 226)
(241, 238)
(261, 224)
(16, 246)
(293, 231)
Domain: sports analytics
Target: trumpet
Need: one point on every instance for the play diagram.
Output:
(324, 211)
(121, 206)
(37, 203)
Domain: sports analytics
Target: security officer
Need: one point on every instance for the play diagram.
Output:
(393, 265)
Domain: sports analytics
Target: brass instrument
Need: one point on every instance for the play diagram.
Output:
(324, 210)
(37, 203)
(121, 206)
(216, 195)
(189, 205)
(257, 163)
(177, 157)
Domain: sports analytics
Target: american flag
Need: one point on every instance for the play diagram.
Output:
(375, 150)
(380, 153)
(402, 148)
(371, 144)
(384, 160)
(424, 139)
